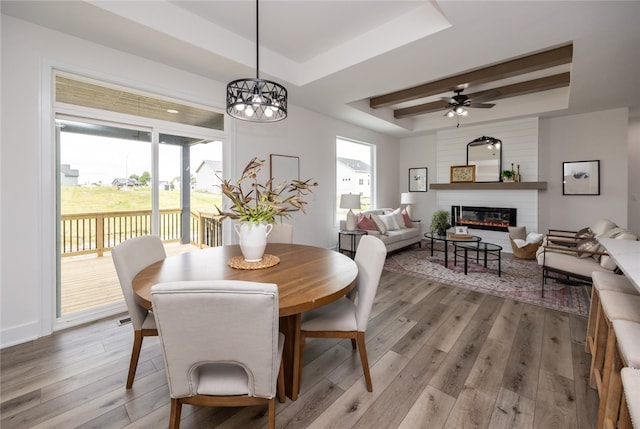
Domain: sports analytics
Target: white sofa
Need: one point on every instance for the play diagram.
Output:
(392, 239)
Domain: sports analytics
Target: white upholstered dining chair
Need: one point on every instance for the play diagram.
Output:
(221, 344)
(348, 316)
(129, 258)
(281, 233)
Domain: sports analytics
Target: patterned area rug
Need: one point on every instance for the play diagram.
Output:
(521, 280)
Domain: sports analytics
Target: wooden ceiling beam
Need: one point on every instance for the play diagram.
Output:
(530, 63)
(516, 89)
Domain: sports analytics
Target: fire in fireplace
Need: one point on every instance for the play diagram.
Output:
(490, 218)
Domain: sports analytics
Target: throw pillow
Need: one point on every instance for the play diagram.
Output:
(397, 213)
(585, 233)
(407, 219)
(616, 233)
(534, 237)
(520, 243)
(390, 222)
(517, 232)
(365, 222)
(379, 224)
(601, 226)
(590, 245)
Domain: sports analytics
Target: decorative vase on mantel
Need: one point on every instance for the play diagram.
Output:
(253, 239)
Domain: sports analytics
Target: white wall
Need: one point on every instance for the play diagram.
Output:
(591, 136)
(419, 152)
(634, 170)
(27, 271)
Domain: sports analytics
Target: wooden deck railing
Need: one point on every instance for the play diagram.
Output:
(87, 233)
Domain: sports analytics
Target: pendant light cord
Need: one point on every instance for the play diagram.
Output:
(257, 43)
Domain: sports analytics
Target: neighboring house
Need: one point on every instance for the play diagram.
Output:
(166, 185)
(68, 175)
(354, 176)
(207, 175)
(122, 182)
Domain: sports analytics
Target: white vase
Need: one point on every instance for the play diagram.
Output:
(253, 239)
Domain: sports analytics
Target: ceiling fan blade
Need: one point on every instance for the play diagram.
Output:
(485, 96)
(481, 105)
(449, 100)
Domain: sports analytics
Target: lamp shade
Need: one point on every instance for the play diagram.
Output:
(407, 198)
(350, 201)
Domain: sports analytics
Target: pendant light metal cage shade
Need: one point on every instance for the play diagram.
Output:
(256, 100)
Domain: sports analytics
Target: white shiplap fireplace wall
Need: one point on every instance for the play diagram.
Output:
(519, 146)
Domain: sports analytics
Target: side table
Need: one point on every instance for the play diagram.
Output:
(354, 236)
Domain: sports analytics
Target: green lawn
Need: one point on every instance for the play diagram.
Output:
(78, 199)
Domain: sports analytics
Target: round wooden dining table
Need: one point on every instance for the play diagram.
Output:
(307, 277)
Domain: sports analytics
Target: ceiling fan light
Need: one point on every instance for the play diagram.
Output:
(464, 112)
(450, 114)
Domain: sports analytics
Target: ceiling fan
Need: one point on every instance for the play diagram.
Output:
(459, 103)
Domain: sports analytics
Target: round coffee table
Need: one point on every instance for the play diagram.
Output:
(449, 239)
(490, 251)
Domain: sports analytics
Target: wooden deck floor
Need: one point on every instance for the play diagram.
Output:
(91, 281)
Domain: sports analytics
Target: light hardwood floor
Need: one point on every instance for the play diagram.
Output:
(440, 357)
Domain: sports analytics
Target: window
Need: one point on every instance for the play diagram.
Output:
(355, 166)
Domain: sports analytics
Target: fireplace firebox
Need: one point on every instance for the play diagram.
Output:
(489, 218)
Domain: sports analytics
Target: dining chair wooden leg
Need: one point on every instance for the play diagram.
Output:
(362, 348)
(272, 413)
(135, 355)
(280, 388)
(297, 364)
(176, 410)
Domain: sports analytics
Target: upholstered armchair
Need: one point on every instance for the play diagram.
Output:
(572, 256)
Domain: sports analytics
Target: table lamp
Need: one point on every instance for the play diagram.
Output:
(408, 198)
(350, 201)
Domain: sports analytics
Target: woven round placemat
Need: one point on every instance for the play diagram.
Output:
(267, 261)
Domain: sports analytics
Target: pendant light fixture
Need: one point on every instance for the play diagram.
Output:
(256, 100)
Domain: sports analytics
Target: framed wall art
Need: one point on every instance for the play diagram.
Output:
(418, 179)
(284, 169)
(463, 174)
(581, 177)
